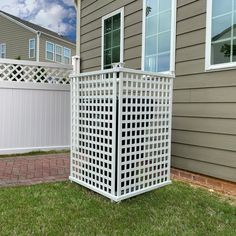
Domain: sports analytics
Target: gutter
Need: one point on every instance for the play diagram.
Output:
(78, 7)
(60, 39)
(76, 59)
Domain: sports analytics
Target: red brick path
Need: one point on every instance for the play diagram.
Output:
(55, 167)
(33, 169)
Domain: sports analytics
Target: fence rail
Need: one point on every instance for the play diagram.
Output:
(121, 131)
(35, 106)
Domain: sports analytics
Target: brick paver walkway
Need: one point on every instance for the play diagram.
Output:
(33, 169)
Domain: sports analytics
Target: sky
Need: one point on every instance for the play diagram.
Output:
(56, 15)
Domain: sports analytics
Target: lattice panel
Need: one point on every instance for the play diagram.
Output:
(32, 73)
(144, 134)
(121, 131)
(94, 132)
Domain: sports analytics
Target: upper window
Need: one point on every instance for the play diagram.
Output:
(112, 39)
(3, 49)
(67, 55)
(159, 35)
(221, 34)
(58, 52)
(49, 51)
(32, 48)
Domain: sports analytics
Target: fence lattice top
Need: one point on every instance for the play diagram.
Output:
(22, 71)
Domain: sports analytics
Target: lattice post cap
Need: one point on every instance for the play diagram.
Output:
(118, 65)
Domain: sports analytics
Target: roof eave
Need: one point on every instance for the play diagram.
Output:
(60, 39)
(18, 23)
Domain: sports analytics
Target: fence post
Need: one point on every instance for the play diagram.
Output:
(76, 64)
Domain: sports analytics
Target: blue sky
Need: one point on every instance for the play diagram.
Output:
(56, 15)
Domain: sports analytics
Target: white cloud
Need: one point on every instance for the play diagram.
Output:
(49, 14)
(12, 6)
(69, 2)
(52, 18)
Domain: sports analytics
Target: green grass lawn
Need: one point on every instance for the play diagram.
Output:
(36, 153)
(68, 209)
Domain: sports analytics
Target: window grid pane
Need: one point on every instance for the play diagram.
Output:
(112, 40)
(49, 51)
(3, 50)
(158, 35)
(58, 52)
(223, 32)
(67, 55)
(31, 48)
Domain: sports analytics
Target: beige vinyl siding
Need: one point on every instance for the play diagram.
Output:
(16, 38)
(204, 110)
(91, 21)
(44, 38)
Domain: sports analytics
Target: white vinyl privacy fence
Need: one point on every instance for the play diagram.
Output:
(34, 106)
(121, 131)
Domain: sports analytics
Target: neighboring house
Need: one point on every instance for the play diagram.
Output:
(20, 39)
(193, 39)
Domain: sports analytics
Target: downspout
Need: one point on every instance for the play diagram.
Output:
(78, 27)
(38, 45)
(76, 59)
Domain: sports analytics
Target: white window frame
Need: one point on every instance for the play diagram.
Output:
(33, 39)
(172, 40)
(208, 66)
(121, 11)
(66, 56)
(62, 51)
(5, 51)
(53, 51)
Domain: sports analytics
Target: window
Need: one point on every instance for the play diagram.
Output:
(32, 48)
(67, 55)
(49, 51)
(58, 52)
(159, 35)
(221, 34)
(3, 49)
(112, 38)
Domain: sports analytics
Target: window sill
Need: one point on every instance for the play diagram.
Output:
(168, 73)
(49, 60)
(220, 67)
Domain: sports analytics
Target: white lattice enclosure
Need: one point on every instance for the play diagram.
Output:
(121, 131)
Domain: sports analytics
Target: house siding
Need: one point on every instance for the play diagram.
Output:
(16, 38)
(204, 109)
(42, 43)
